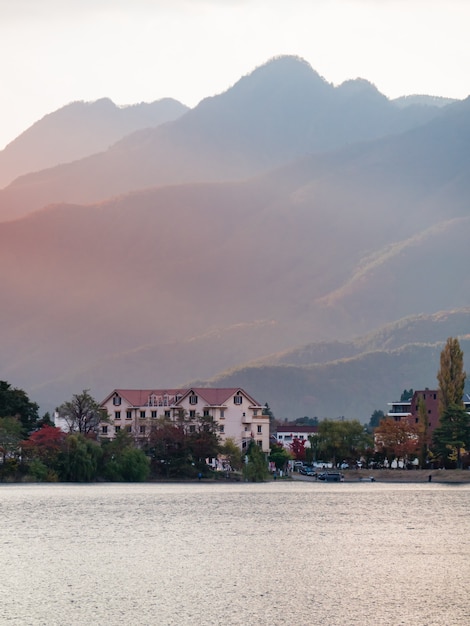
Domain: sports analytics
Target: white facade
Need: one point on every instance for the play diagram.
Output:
(286, 434)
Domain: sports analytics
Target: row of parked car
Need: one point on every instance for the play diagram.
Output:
(326, 476)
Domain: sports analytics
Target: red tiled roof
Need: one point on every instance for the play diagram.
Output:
(219, 396)
(297, 428)
(140, 397)
(212, 396)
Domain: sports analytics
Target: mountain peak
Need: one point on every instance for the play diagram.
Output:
(287, 72)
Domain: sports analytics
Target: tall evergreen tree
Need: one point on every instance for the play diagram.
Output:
(453, 434)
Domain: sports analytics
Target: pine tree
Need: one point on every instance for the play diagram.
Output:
(453, 433)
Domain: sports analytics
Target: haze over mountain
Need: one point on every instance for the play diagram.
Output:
(353, 379)
(282, 111)
(280, 213)
(80, 129)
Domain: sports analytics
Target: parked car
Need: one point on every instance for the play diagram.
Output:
(334, 477)
(306, 470)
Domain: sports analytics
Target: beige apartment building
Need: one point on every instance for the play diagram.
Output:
(236, 413)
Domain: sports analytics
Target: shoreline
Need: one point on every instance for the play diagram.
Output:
(441, 476)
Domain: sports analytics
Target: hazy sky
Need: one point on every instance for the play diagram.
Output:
(56, 51)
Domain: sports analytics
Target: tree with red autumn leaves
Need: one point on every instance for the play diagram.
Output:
(44, 444)
(297, 448)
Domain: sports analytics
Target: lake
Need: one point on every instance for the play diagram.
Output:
(271, 554)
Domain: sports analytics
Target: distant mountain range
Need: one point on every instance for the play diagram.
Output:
(284, 212)
(282, 111)
(78, 130)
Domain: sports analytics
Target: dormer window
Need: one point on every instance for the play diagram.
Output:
(117, 400)
(238, 399)
(193, 399)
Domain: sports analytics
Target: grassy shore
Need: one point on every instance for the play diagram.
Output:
(409, 476)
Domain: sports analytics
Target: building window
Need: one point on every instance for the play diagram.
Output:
(117, 401)
(128, 415)
(192, 428)
(206, 413)
(238, 399)
(193, 399)
(129, 429)
(260, 443)
(142, 415)
(154, 414)
(104, 430)
(260, 429)
(222, 413)
(167, 413)
(142, 430)
(117, 428)
(117, 415)
(222, 428)
(192, 414)
(255, 412)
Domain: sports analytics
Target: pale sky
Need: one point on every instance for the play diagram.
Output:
(53, 52)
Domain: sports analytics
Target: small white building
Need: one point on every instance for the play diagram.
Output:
(286, 434)
(236, 413)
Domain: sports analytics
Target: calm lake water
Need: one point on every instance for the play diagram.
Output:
(195, 554)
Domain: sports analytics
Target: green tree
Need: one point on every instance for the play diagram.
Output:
(10, 439)
(232, 453)
(451, 376)
(453, 434)
(279, 456)
(122, 461)
(306, 421)
(375, 419)
(313, 452)
(15, 403)
(82, 413)
(341, 440)
(79, 459)
(406, 395)
(256, 467)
